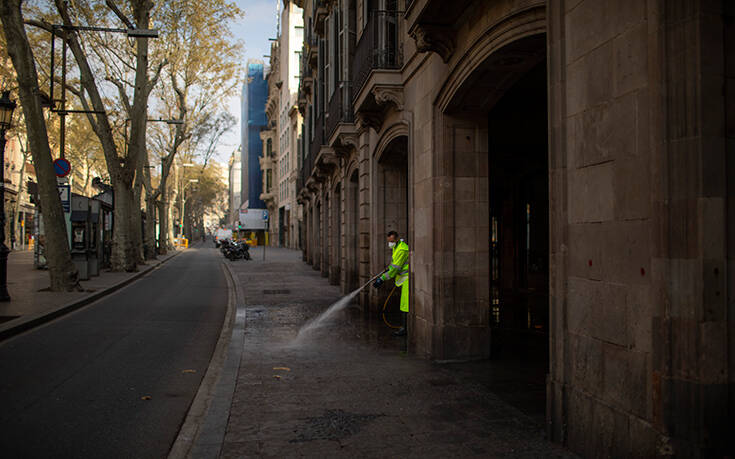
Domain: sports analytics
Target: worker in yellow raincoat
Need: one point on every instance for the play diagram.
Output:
(398, 270)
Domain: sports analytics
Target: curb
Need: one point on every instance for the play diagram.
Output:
(203, 430)
(16, 327)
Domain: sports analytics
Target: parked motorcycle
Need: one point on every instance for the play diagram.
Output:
(234, 250)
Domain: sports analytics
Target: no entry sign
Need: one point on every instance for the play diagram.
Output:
(62, 167)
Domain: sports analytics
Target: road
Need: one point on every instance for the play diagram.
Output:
(116, 378)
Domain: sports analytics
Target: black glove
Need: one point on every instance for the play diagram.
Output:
(378, 282)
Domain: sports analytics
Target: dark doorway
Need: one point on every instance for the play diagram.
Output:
(392, 211)
(519, 221)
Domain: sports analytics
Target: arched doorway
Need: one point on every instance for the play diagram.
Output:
(519, 219)
(492, 240)
(391, 199)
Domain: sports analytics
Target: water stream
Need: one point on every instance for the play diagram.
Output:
(322, 318)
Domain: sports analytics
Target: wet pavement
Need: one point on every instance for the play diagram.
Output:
(349, 389)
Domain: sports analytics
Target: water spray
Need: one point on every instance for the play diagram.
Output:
(331, 310)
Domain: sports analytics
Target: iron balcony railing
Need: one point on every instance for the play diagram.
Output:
(378, 48)
(316, 144)
(340, 108)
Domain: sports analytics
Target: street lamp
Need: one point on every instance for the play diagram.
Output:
(51, 102)
(6, 115)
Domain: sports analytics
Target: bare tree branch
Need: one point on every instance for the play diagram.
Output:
(123, 95)
(40, 24)
(156, 75)
(128, 23)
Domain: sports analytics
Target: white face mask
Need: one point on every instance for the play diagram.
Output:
(391, 244)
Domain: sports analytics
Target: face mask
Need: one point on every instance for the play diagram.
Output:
(391, 244)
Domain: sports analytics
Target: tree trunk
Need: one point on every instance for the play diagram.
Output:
(163, 223)
(123, 251)
(62, 272)
(125, 254)
(150, 228)
(136, 220)
(170, 212)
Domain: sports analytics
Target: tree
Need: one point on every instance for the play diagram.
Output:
(203, 66)
(121, 168)
(62, 272)
(207, 196)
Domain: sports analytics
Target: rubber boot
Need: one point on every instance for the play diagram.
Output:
(402, 331)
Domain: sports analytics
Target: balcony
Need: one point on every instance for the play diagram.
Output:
(312, 49)
(340, 108)
(319, 14)
(379, 47)
(307, 167)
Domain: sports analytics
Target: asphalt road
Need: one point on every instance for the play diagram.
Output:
(79, 386)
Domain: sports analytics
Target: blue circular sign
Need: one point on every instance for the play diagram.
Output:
(265, 215)
(62, 167)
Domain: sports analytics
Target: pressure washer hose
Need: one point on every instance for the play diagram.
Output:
(386, 304)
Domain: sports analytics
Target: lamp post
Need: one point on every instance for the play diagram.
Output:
(58, 30)
(6, 115)
(183, 204)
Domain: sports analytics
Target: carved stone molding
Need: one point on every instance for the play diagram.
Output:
(389, 95)
(326, 161)
(365, 120)
(434, 38)
(345, 142)
(312, 185)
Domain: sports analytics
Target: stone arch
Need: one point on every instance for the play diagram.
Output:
(397, 129)
(461, 238)
(496, 46)
(389, 197)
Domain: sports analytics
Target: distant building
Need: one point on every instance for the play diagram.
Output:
(252, 120)
(235, 187)
(281, 137)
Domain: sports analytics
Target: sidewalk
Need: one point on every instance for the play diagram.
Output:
(30, 305)
(348, 390)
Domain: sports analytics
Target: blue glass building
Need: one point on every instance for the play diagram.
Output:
(252, 120)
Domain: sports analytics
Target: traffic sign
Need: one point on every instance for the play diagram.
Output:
(265, 215)
(62, 167)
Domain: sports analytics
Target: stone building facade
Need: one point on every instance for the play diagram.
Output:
(563, 173)
(280, 137)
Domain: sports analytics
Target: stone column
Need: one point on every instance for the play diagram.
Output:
(324, 237)
(364, 162)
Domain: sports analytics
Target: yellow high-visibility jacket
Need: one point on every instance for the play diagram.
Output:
(398, 269)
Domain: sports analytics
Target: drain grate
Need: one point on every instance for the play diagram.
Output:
(276, 292)
(333, 425)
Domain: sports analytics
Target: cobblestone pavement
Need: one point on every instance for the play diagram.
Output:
(348, 390)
